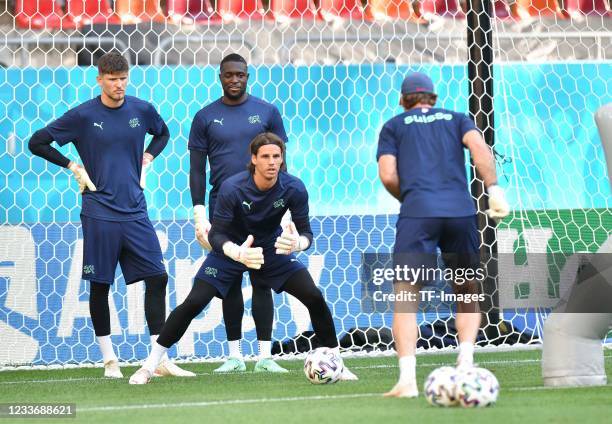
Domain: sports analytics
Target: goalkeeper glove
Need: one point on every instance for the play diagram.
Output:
(251, 257)
(290, 241)
(147, 158)
(80, 174)
(202, 226)
(498, 205)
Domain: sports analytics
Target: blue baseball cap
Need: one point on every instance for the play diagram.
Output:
(417, 83)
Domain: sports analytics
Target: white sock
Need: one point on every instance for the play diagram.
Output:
(153, 342)
(407, 366)
(106, 347)
(265, 349)
(466, 353)
(234, 349)
(155, 357)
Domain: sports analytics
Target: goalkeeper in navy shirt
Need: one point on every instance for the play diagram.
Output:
(246, 235)
(109, 133)
(421, 163)
(221, 132)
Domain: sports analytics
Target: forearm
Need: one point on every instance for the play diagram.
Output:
(302, 224)
(159, 142)
(197, 177)
(40, 145)
(218, 235)
(485, 164)
(393, 187)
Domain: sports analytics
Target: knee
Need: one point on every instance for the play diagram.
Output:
(156, 285)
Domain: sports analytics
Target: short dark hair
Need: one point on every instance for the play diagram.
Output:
(112, 63)
(264, 139)
(232, 57)
(409, 100)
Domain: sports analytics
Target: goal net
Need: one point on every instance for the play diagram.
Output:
(333, 68)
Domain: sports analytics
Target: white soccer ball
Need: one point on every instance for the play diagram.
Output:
(440, 387)
(476, 388)
(323, 366)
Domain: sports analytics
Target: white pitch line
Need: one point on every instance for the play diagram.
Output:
(436, 364)
(274, 400)
(225, 402)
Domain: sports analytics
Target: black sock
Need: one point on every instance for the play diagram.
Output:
(302, 287)
(262, 308)
(98, 308)
(155, 302)
(233, 310)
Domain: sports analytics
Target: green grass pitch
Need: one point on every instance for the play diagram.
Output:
(290, 398)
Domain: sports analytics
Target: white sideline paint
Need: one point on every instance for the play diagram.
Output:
(273, 400)
(432, 364)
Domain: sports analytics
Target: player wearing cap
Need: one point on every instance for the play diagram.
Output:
(421, 163)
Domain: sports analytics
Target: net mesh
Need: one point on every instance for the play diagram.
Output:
(333, 68)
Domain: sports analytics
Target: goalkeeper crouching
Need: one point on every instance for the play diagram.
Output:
(246, 235)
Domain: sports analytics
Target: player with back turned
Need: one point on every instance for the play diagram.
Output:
(221, 132)
(246, 235)
(109, 134)
(421, 163)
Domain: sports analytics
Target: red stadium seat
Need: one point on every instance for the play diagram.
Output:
(189, 11)
(348, 9)
(443, 8)
(240, 9)
(588, 7)
(41, 14)
(391, 9)
(135, 11)
(87, 12)
(293, 9)
(501, 10)
(542, 8)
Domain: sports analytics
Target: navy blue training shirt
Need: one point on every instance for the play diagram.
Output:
(224, 132)
(243, 209)
(110, 142)
(430, 161)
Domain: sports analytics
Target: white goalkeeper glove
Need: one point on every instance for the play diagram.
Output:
(290, 241)
(202, 226)
(80, 174)
(147, 158)
(498, 205)
(251, 257)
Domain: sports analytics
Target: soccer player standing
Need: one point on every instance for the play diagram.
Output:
(221, 132)
(421, 163)
(246, 235)
(109, 133)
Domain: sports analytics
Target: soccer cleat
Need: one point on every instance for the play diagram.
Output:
(142, 376)
(232, 365)
(401, 390)
(347, 375)
(112, 370)
(268, 365)
(169, 369)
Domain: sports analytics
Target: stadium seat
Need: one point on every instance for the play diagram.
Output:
(542, 8)
(391, 9)
(189, 11)
(348, 9)
(88, 12)
(231, 10)
(501, 10)
(588, 7)
(41, 14)
(293, 9)
(442, 8)
(136, 11)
